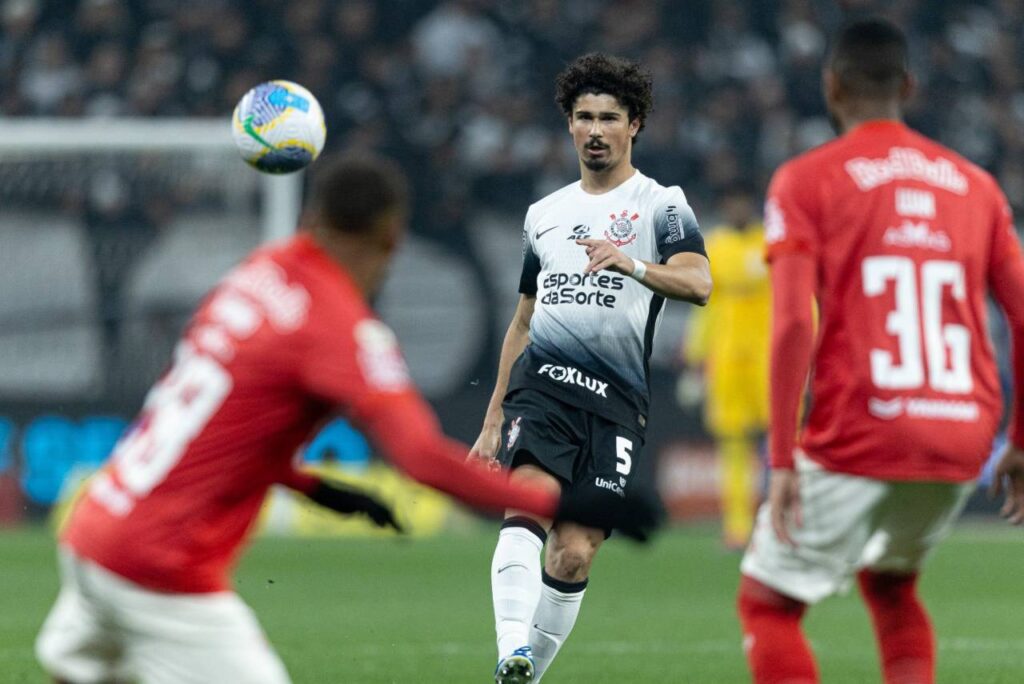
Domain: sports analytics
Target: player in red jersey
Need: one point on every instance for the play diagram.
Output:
(899, 240)
(285, 340)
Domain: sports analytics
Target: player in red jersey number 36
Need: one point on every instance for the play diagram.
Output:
(900, 241)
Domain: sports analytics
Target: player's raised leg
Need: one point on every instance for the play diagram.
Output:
(567, 560)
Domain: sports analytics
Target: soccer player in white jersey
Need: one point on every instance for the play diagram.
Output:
(569, 408)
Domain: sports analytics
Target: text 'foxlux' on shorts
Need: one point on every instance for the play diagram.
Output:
(572, 376)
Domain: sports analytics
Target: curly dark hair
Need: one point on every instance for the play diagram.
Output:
(599, 74)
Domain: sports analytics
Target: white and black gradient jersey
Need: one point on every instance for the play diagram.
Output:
(590, 335)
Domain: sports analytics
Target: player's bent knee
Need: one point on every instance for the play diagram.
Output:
(569, 560)
(888, 588)
(570, 566)
(755, 599)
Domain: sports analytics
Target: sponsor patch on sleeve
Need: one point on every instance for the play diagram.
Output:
(379, 357)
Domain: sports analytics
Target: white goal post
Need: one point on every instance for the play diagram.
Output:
(38, 137)
(111, 232)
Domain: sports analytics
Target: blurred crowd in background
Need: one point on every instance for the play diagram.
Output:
(102, 256)
(461, 91)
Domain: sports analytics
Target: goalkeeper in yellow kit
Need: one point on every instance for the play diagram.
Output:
(727, 348)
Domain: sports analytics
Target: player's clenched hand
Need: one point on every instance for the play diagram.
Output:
(485, 448)
(784, 502)
(604, 255)
(1009, 477)
(347, 500)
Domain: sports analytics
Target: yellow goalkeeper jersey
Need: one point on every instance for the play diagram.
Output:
(730, 335)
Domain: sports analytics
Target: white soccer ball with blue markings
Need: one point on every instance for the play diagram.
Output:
(279, 127)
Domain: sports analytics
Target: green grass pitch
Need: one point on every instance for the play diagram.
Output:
(373, 611)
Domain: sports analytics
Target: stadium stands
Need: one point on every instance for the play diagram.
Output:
(460, 92)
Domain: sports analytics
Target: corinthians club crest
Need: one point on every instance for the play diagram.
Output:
(513, 432)
(621, 232)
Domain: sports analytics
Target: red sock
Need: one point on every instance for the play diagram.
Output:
(776, 649)
(905, 637)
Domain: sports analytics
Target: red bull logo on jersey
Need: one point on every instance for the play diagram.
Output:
(906, 163)
(567, 375)
(621, 232)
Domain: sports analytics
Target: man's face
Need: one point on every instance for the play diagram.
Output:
(601, 131)
(386, 238)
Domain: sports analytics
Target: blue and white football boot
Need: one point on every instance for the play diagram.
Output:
(517, 668)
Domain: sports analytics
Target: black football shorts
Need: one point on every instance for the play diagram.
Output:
(578, 447)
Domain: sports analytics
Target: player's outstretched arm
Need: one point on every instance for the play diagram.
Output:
(405, 430)
(685, 276)
(341, 498)
(516, 338)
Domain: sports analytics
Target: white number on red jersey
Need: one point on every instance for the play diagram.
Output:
(175, 412)
(946, 349)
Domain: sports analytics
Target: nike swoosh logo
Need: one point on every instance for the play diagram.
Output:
(544, 631)
(540, 233)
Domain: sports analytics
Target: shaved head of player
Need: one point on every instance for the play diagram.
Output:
(900, 241)
(362, 227)
(867, 75)
(570, 402)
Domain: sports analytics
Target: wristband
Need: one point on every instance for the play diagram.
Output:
(639, 270)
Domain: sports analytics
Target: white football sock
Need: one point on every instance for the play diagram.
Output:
(515, 582)
(554, 619)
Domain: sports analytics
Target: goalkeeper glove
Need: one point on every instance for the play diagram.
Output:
(348, 500)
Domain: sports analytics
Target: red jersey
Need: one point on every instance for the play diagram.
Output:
(905, 236)
(284, 341)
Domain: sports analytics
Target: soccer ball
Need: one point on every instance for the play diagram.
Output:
(279, 127)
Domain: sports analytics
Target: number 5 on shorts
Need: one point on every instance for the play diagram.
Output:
(623, 457)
